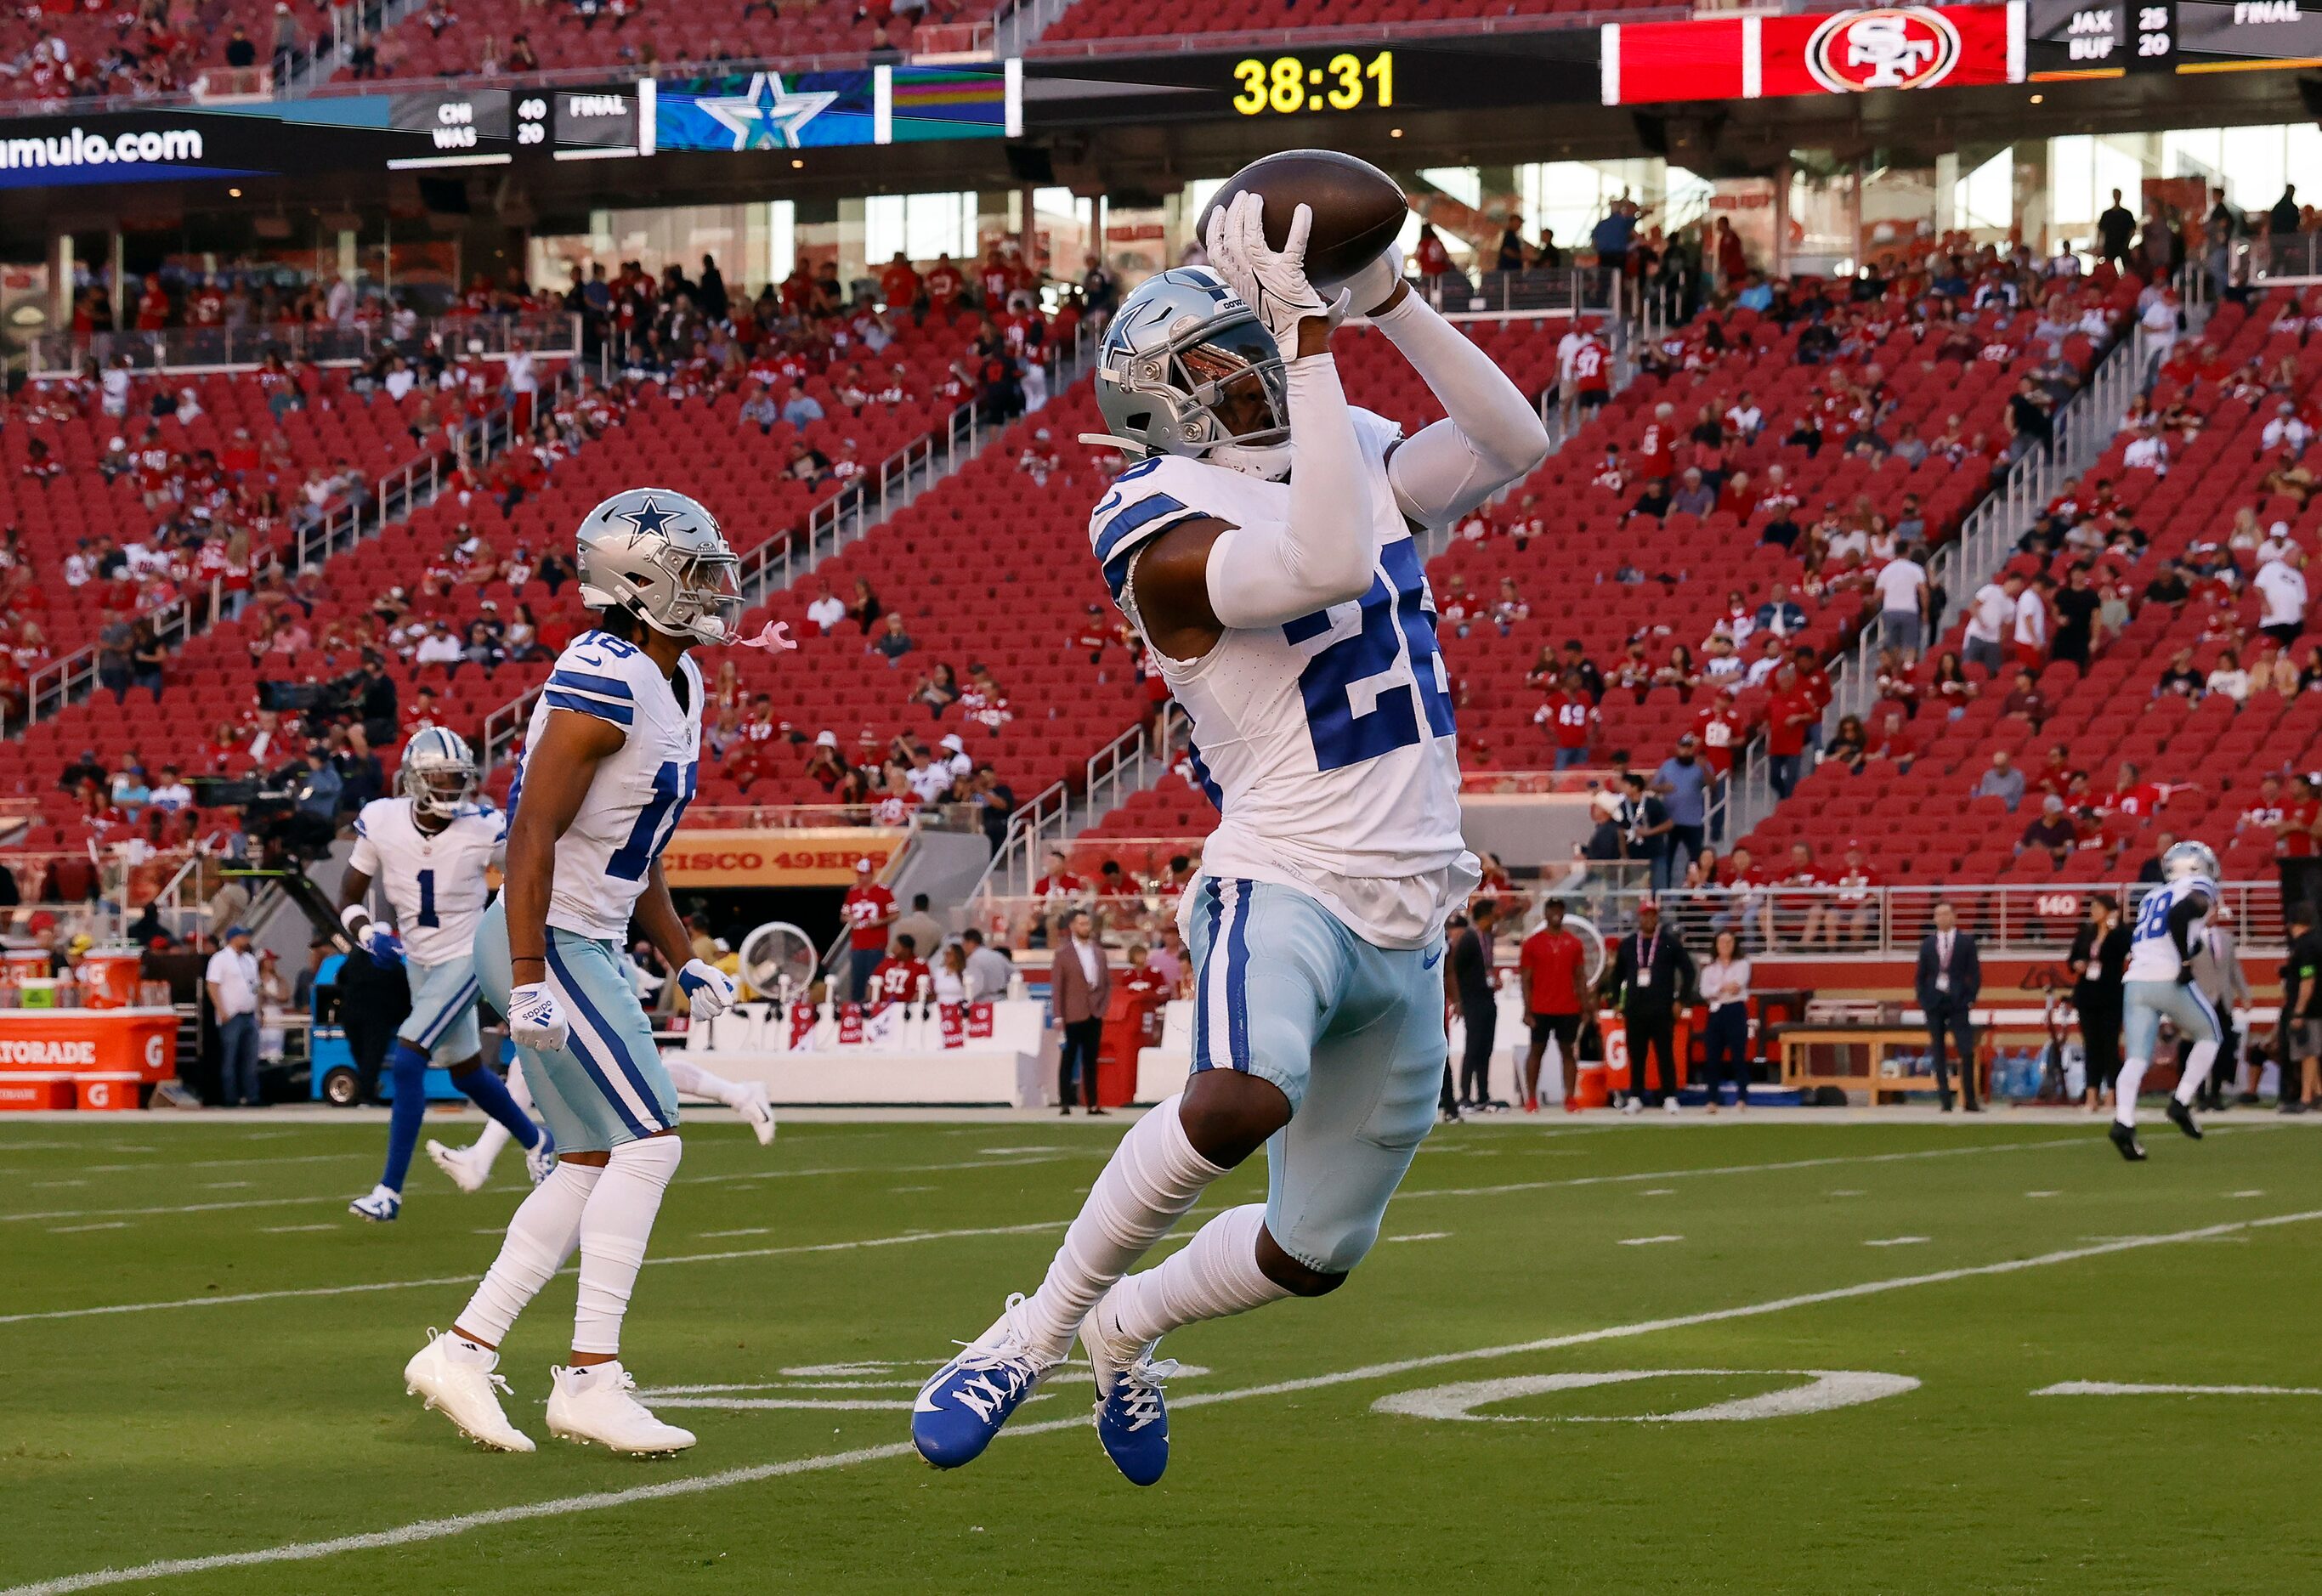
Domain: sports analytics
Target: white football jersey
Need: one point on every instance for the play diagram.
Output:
(433, 882)
(2152, 954)
(1328, 743)
(638, 794)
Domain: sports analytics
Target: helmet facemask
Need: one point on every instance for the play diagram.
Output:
(708, 603)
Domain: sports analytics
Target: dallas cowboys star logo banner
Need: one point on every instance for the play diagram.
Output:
(821, 110)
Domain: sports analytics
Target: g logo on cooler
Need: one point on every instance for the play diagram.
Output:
(1890, 47)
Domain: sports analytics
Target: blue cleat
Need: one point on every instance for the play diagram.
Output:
(963, 1407)
(1132, 1420)
(379, 1208)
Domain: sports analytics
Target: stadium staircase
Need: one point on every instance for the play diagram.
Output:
(2084, 425)
(210, 677)
(822, 540)
(2207, 758)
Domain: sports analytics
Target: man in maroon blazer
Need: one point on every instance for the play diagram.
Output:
(1079, 988)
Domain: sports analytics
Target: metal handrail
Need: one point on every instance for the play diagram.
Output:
(2083, 428)
(556, 335)
(66, 681)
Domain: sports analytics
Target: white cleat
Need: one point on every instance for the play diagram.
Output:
(540, 1158)
(379, 1208)
(464, 1389)
(596, 1406)
(753, 1107)
(458, 1163)
(1670, 1103)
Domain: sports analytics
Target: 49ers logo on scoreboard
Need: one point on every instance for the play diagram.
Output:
(1894, 47)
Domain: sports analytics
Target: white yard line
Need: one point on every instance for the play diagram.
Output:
(1834, 1161)
(77, 1230)
(1899, 1241)
(2106, 1388)
(1407, 1193)
(341, 1197)
(1648, 1241)
(905, 1239)
(427, 1529)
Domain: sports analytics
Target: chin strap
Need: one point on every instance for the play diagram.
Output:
(1100, 440)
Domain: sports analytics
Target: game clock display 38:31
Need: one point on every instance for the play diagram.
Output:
(1288, 85)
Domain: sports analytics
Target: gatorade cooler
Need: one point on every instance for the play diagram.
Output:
(27, 1092)
(110, 977)
(1589, 1089)
(105, 1091)
(26, 963)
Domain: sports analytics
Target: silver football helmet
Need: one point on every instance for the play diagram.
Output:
(1187, 368)
(2188, 859)
(659, 554)
(438, 772)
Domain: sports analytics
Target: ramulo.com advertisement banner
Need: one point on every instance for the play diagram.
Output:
(1750, 58)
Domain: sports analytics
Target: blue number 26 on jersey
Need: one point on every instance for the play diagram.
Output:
(1374, 671)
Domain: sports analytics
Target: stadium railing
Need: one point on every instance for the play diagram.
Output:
(556, 335)
(1053, 816)
(1886, 924)
(2289, 258)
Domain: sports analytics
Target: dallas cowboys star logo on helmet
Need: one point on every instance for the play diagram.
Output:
(648, 517)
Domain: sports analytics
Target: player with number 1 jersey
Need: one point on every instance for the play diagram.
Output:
(1262, 547)
(428, 849)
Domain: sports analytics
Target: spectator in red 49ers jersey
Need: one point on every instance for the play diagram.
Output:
(868, 910)
(900, 976)
(1719, 724)
(1571, 720)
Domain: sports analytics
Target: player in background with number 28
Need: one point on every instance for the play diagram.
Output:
(1293, 622)
(611, 758)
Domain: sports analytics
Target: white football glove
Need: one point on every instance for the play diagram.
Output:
(1272, 282)
(708, 990)
(535, 1020)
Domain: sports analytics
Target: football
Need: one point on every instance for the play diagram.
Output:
(1357, 208)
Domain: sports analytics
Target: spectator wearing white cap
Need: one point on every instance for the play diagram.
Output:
(953, 757)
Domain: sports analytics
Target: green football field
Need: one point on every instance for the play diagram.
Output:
(1837, 1341)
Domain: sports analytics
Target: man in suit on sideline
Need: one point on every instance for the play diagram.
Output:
(1080, 987)
(1950, 976)
(1652, 976)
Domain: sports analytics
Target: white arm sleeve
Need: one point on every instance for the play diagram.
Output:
(1264, 574)
(1489, 435)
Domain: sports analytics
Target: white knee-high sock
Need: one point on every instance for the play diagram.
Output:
(1154, 1175)
(615, 1227)
(2197, 1065)
(496, 1135)
(540, 1237)
(2124, 1091)
(1214, 1275)
(695, 1082)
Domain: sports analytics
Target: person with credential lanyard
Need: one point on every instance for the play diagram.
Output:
(1950, 979)
(1652, 975)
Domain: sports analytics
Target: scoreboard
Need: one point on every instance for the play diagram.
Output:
(2084, 39)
